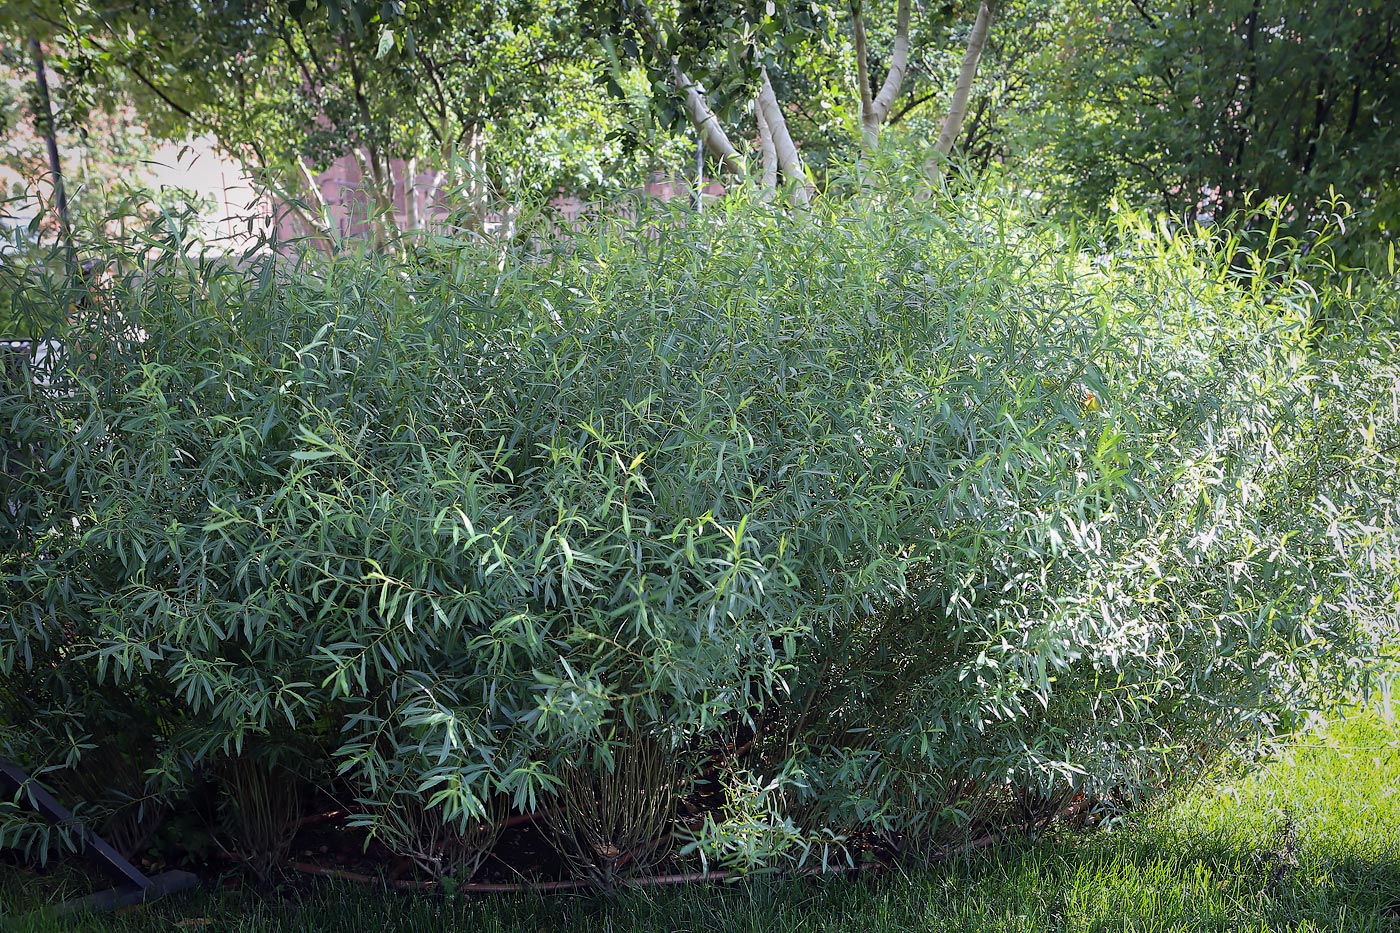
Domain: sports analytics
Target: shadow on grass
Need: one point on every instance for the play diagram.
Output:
(1310, 842)
(1121, 881)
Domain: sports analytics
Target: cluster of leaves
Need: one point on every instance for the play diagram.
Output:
(880, 519)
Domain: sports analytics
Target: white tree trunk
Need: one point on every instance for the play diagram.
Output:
(696, 106)
(410, 195)
(433, 193)
(767, 150)
(469, 177)
(875, 110)
(310, 228)
(957, 111)
(870, 136)
(381, 214)
(295, 200)
(318, 225)
(707, 124)
(312, 187)
(789, 159)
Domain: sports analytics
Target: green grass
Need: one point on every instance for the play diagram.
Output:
(1311, 841)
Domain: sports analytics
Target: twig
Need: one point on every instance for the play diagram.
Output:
(540, 887)
(319, 817)
(506, 887)
(342, 875)
(522, 818)
(967, 847)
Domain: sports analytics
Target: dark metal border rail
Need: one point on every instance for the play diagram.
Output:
(131, 885)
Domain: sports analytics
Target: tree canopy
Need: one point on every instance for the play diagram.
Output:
(1190, 108)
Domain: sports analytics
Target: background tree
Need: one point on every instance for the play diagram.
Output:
(479, 97)
(1194, 107)
(720, 65)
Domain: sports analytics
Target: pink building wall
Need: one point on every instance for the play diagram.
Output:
(349, 203)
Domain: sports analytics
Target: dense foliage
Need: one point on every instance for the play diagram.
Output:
(1197, 108)
(757, 536)
(1193, 109)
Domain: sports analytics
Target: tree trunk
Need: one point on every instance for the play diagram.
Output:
(767, 150)
(874, 111)
(308, 224)
(957, 111)
(432, 193)
(49, 130)
(789, 159)
(369, 186)
(312, 187)
(382, 223)
(707, 124)
(473, 185)
(317, 225)
(696, 106)
(870, 130)
(384, 193)
(410, 195)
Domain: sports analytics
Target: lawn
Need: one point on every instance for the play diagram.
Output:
(1309, 841)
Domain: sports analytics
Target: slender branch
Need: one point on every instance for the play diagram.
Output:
(433, 131)
(431, 70)
(321, 71)
(1321, 112)
(311, 85)
(913, 102)
(646, 881)
(1145, 13)
(166, 98)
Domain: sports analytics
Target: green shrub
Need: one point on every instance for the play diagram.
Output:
(879, 518)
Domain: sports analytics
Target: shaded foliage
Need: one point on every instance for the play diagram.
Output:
(1196, 108)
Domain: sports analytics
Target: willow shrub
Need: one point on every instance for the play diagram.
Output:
(877, 518)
